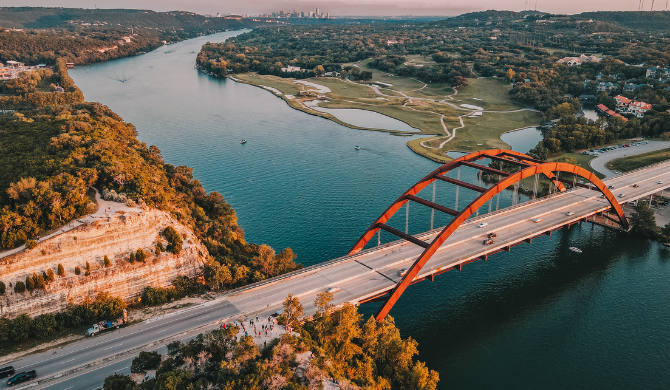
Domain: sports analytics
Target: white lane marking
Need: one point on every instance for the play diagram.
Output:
(113, 346)
(67, 361)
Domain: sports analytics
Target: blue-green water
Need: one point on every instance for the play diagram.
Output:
(538, 317)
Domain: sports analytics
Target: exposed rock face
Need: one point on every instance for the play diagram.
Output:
(116, 237)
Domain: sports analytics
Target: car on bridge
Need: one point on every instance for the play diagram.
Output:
(402, 272)
(537, 220)
(333, 290)
(635, 185)
(7, 371)
(488, 241)
(492, 235)
(622, 195)
(660, 182)
(483, 225)
(22, 377)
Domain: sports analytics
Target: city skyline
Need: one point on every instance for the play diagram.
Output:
(353, 7)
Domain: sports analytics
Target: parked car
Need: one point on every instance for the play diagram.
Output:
(22, 377)
(7, 371)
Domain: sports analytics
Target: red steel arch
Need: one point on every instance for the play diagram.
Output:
(530, 167)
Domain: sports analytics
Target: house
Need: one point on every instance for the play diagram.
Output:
(599, 76)
(630, 87)
(602, 109)
(658, 72)
(628, 106)
(290, 69)
(576, 61)
(606, 86)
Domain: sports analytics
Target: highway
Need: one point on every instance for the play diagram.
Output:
(359, 277)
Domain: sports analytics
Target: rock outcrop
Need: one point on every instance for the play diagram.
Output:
(114, 236)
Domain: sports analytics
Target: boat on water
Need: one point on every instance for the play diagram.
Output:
(575, 249)
(244, 141)
(666, 244)
(357, 147)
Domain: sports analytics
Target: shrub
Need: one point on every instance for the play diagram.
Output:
(159, 248)
(77, 271)
(19, 287)
(119, 382)
(21, 328)
(140, 256)
(38, 281)
(30, 244)
(49, 276)
(87, 273)
(61, 270)
(131, 259)
(174, 240)
(145, 361)
(2, 288)
(30, 283)
(155, 296)
(44, 325)
(88, 266)
(106, 261)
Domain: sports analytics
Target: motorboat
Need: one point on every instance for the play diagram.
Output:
(575, 249)
(244, 141)
(357, 147)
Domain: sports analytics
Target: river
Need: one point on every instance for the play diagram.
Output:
(537, 317)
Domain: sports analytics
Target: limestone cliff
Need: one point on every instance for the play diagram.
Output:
(115, 235)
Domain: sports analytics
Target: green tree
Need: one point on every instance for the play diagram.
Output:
(643, 220)
(665, 231)
(61, 270)
(159, 248)
(216, 275)
(131, 258)
(21, 328)
(38, 281)
(19, 287)
(88, 266)
(77, 271)
(2, 288)
(44, 325)
(49, 276)
(145, 361)
(319, 71)
(106, 261)
(174, 240)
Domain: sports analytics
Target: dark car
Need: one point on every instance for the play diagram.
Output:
(21, 377)
(7, 371)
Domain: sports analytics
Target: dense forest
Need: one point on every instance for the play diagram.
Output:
(91, 35)
(357, 354)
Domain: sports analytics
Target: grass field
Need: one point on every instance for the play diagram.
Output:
(494, 95)
(423, 111)
(582, 161)
(626, 164)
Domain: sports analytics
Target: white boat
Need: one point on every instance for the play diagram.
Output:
(244, 141)
(575, 249)
(357, 147)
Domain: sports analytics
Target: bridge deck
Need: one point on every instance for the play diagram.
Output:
(374, 272)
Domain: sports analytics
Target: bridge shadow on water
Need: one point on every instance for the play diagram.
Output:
(501, 321)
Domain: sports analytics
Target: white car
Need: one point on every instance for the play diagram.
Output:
(537, 220)
(622, 195)
(569, 213)
(482, 225)
(660, 182)
(402, 272)
(333, 290)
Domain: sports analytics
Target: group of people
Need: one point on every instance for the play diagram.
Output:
(256, 327)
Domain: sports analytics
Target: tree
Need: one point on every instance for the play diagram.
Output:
(30, 283)
(131, 258)
(665, 231)
(119, 382)
(88, 266)
(2, 288)
(21, 328)
(319, 70)
(38, 281)
(174, 240)
(216, 275)
(643, 220)
(140, 255)
(509, 75)
(49, 276)
(293, 312)
(61, 270)
(145, 361)
(106, 261)
(44, 325)
(19, 287)
(77, 271)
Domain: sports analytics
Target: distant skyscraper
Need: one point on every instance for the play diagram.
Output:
(316, 15)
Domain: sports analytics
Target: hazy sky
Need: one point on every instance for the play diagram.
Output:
(353, 7)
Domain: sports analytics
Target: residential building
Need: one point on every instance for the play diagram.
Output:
(606, 86)
(628, 106)
(658, 72)
(606, 112)
(576, 61)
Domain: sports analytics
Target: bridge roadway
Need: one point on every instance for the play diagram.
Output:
(365, 275)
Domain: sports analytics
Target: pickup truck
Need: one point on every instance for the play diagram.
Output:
(103, 326)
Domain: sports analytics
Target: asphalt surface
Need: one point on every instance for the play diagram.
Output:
(363, 275)
(600, 163)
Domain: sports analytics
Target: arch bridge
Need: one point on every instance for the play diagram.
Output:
(509, 168)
